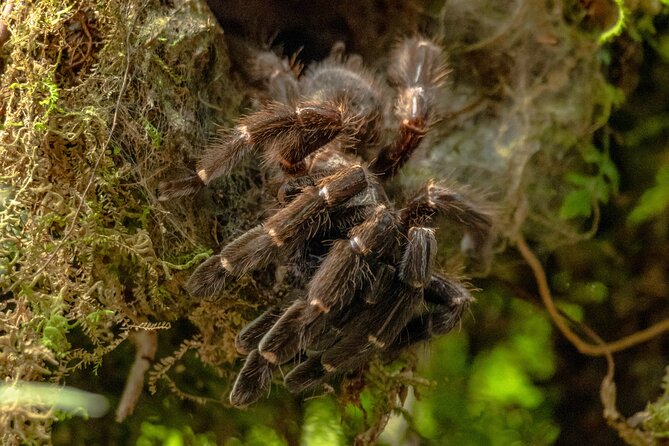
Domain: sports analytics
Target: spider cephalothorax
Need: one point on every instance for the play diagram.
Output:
(328, 141)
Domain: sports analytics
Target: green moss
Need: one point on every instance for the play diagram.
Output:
(656, 418)
(654, 201)
(86, 141)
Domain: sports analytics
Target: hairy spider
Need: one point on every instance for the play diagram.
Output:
(330, 139)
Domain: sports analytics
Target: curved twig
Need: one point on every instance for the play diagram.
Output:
(581, 345)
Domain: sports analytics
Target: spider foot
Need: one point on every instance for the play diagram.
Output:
(168, 190)
(436, 200)
(248, 338)
(306, 375)
(208, 279)
(418, 258)
(288, 335)
(447, 301)
(254, 380)
(418, 72)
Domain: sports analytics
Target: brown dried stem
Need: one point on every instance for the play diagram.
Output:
(147, 344)
(581, 345)
(608, 392)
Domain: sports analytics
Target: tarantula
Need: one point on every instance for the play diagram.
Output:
(370, 282)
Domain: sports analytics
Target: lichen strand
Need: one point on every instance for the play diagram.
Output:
(99, 99)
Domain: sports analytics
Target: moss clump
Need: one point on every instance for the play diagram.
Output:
(99, 99)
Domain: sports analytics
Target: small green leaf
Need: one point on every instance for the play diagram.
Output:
(54, 334)
(590, 292)
(498, 376)
(610, 172)
(574, 311)
(260, 435)
(592, 155)
(577, 203)
(654, 200)
(578, 179)
(601, 189)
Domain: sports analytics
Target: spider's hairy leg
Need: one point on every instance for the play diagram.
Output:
(384, 273)
(434, 200)
(290, 132)
(377, 326)
(256, 373)
(418, 259)
(290, 188)
(267, 68)
(447, 300)
(285, 339)
(279, 74)
(169, 190)
(253, 380)
(372, 330)
(343, 272)
(301, 326)
(247, 339)
(396, 326)
(253, 249)
(447, 292)
(346, 268)
(398, 300)
(306, 375)
(290, 227)
(417, 73)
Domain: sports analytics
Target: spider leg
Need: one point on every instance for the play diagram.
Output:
(344, 271)
(290, 133)
(384, 274)
(435, 200)
(247, 339)
(254, 377)
(448, 300)
(340, 276)
(286, 230)
(290, 188)
(182, 187)
(373, 330)
(377, 326)
(277, 74)
(417, 73)
(287, 336)
(253, 380)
